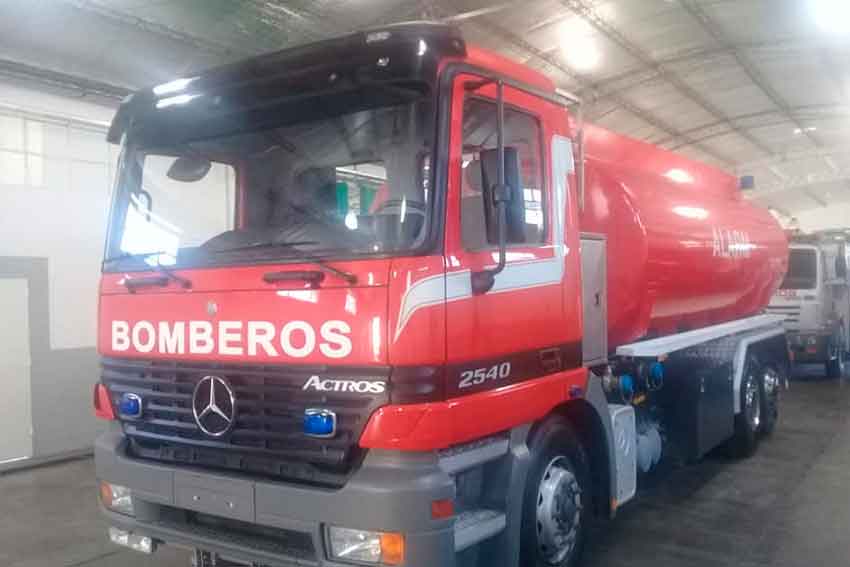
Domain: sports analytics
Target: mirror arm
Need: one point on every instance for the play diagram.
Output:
(483, 281)
(149, 199)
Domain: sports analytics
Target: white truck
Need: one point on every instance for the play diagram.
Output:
(815, 300)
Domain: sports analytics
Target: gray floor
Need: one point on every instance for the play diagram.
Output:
(786, 506)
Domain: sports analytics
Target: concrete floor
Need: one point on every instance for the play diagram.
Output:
(786, 506)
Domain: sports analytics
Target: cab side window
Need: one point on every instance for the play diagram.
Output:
(522, 131)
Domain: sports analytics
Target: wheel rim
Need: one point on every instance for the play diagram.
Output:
(752, 403)
(771, 382)
(558, 511)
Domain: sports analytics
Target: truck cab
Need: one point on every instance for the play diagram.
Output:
(307, 294)
(813, 298)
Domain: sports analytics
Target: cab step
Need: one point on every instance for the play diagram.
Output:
(464, 457)
(474, 526)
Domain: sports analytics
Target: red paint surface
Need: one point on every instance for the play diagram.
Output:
(664, 271)
(240, 294)
(664, 275)
(424, 427)
(423, 339)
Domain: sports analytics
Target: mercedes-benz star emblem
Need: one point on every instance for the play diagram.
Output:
(214, 406)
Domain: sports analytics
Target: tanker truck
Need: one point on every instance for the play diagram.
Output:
(814, 299)
(386, 299)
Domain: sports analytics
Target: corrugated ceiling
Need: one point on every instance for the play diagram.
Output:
(755, 86)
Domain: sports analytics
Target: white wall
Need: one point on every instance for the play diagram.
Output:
(57, 206)
(55, 170)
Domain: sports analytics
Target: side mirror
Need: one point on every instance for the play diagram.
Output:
(189, 169)
(510, 193)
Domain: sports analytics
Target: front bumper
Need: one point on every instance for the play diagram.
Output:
(809, 347)
(391, 491)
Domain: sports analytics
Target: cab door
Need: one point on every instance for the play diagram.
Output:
(517, 330)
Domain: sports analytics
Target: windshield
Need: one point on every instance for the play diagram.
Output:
(342, 186)
(802, 269)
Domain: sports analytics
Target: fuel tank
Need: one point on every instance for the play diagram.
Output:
(685, 248)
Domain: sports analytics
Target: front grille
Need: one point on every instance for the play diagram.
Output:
(267, 437)
(790, 312)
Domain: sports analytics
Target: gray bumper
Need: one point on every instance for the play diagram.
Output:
(390, 492)
(809, 347)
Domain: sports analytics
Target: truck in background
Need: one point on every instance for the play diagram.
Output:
(814, 299)
(386, 300)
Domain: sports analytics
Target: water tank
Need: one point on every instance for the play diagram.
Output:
(685, 248)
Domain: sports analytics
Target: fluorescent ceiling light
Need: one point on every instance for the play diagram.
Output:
(579, 46)
(833, 16)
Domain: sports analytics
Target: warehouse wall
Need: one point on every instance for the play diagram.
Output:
(55, 172)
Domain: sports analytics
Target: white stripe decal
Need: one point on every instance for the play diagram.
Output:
(432, 290)
(455, 286)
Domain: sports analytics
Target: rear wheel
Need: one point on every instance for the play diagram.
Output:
(771, 381)
(557, 501)
(835, 364)
(748, 421)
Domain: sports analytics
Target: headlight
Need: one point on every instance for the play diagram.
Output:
(116, 498)
(361, 546)
(135, 542)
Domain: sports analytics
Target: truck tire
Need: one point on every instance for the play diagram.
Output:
(557, 501)
(748, 421)
(835, 364)
(771, 383)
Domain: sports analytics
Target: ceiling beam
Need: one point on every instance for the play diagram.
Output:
(462, 16)
(158, 29)
(749, 68)
(780, 121)
(802, 182)
(587, 12)
(791, 157)
(78, 86)
(314, 22)
(809, 112)
(642, 74)
(549, 60)
(815, 198)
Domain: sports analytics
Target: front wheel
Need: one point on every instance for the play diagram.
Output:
(557, 501)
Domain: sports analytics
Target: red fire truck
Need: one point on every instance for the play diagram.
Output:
(386, 300)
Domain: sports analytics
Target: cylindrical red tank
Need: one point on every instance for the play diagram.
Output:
(685, 249)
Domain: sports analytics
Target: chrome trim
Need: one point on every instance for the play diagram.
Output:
(212, 407)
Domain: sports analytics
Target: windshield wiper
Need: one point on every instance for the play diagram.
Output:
(139, 282)
(318, 262)
(263, 244)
